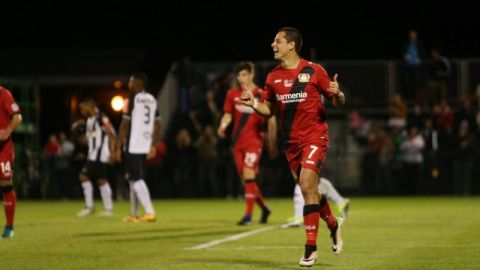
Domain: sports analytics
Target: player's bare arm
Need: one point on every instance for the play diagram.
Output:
(6, 132)
(155, 139)
(272, 137)
(339, 97)
(122, 134)
(266, 109)
(224, 123)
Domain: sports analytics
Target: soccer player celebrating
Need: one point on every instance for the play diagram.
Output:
(296, 88)
(139, 134)
(10, 118)
(247, 138)
(101, 138)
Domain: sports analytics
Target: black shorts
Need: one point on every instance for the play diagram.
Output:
(95, 170)
(134, 166)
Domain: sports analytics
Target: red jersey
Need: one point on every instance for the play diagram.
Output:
(247, 125)
(8, 107)
(298, 96)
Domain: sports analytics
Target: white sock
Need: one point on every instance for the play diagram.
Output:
(106, 193)
(329, 190)
(133, 200)
(143, 195)
(298, 202)
(88, 193)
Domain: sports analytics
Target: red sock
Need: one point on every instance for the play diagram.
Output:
(326, 214)
(9, 200)
(249, 197)
(311, 217)
(258, 197)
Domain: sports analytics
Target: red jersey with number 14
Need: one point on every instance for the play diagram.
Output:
(298, 96)
(247, 125)
(8, 107)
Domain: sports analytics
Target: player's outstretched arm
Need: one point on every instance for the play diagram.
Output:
(266, 108)
(338, 98)
(5, 133)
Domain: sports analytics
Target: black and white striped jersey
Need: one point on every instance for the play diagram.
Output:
(98, 141)
(142, 113)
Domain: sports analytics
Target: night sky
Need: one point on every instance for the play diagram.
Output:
(230, 30)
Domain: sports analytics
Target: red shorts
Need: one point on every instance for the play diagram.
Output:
(247, 156)
(7, 158)
(309, 156)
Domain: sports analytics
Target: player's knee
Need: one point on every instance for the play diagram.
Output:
(307, 186)
(102, 182)
(6, 182)
(82, 177)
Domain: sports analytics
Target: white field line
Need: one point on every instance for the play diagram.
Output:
(232, 238)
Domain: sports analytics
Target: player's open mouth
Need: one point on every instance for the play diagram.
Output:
(275, 51)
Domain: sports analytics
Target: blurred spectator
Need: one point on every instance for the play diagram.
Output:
(411, 150)
(52, 148)
(386, 150)
(64, 177)
(154, 170)
(208, 163)
(370, 160)
(430, 153)
(185, 160)
(398, 113)
(443, 117)
(360, 127)
(465, 150)
(413, 56)
(466, 112)
(417, 117)
(439, 72)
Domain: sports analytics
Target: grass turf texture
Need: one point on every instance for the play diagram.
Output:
(381, 233)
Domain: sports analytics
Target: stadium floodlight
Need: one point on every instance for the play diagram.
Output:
(117, 103)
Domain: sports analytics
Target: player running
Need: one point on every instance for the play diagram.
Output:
(296, 88)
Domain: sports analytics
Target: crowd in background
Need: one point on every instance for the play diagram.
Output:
(426, 142)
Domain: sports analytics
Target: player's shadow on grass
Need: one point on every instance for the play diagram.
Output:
(256, 264)
(170, 236)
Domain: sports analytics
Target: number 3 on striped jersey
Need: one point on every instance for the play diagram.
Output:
(314, 149)
(147, 115)
(6, 168)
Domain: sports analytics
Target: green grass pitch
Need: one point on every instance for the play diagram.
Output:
(381, 233)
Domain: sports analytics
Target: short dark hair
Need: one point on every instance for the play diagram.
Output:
(141, 76)
(244, 65)
(293, 34)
